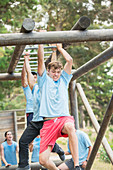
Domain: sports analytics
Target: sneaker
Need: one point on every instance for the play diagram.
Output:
(25, 168)
(59, 151)
(62, 156)
(77, 168)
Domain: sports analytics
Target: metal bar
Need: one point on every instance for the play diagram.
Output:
(34, 58)
(94, 121)
(36, 47)
(56, 37)
(101, 133)
(35, 53)
(21, 69)
(93, 63)
(27, 26)
(21, 62)
(20, 66)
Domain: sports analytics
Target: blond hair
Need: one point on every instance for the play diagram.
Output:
(55, 65)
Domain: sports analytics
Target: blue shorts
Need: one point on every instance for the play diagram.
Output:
(70, 164)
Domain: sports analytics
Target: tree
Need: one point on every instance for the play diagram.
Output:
(13, 12)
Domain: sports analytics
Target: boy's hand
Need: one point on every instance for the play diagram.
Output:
(7, 165)
(26, 57)
(59, 45)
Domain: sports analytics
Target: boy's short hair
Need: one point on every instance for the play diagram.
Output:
(55, 65)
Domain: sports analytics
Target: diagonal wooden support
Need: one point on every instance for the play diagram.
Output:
(101, 133)
(27, 26)
(93, 63)
(94, 121)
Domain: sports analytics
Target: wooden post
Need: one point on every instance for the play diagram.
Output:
(27, 26)
(15, 125)
(94, 121)
(101, 133)
(73, 102)
(93, 63)
(82, 24)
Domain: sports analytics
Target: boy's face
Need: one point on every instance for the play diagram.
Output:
(35, 77)
(54, 73)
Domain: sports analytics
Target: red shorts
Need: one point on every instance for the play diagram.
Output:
(51, 131)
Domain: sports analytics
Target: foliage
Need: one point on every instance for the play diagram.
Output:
(111, 129)
(13, 12)
(103, 155)
(6, 87)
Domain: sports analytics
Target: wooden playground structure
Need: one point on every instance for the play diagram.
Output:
(78, 33)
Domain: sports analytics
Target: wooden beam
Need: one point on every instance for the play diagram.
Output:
(94, 121)
(101, 133)
(27, 26)
(7, 76)
(93, 63)
(34, 166)
(56, 37)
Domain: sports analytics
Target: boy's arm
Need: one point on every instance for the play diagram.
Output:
(89, 152)
(23, 77)
(41, 65)
(30, 77)
(85, 162)
(54, 57)
(67, 57)
(31, 146)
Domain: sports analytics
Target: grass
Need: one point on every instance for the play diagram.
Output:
(100, 165)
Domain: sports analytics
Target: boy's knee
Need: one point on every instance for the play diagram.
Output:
(42, 161)
(69, 127)
(22, 141)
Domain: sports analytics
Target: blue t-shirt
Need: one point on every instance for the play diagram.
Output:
(54, 95)
(36, 149)
(29, 99)
(10, 153)
(36, 105)
(83, 145)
